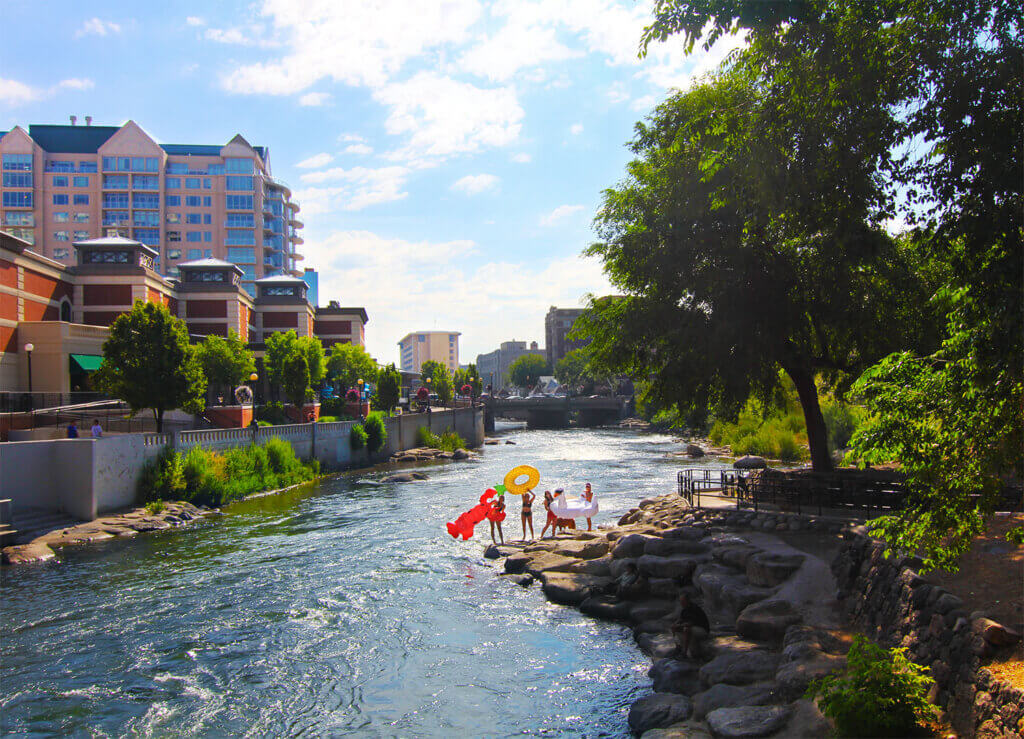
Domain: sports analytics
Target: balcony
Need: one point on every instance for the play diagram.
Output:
(296, 239)
(295, 222)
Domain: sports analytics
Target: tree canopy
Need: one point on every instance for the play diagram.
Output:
(313, 351)
(296, 379)
(279, 346)
(526, 371)
(440, 380)
(389, 388)
(149, 363)
(226, 361)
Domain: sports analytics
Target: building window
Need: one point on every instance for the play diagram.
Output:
(17, 179)
(145, 200)
(60, 166)
(205, 276)
(234, 165)
(241, 255)
(60, 217)
(241, 220)
(241, 236)
(80, 235)
(146, 218)
(18, 162)
(207, 183)
(193, 183)
(174, 253)
(207, 219)
(172, 183)
(174, 217)
(239, 202)
(62, 235)
(19, 219)
(80, 199)
(25, 234)
(173, 236)
(61, 252)
(117, 164)
(194, 218)
(207, 253)
(193, 201)
(145, 182)
(115, 217)
(60, 199)
(145, 164)
(215, 169)
(115, 200)
(207, 201)
(193, 237)
(173, 201)
(115, 182)
(80, 217)
(207, 236)
(106, 257)
(279, 291)
(147, 235)
(80, 181)
(87, 166)
(237, 183)
(177, 168)
(194, 253)
(60, 181)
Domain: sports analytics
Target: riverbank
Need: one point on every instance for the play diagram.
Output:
(775, 621)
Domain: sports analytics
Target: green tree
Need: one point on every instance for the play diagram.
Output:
(149, 363)
(279, 346)
(348, 363)
(477, 384)
(526, 371)
(430, 369)
(389, 388)
(296, 379)
(313, 351)
(226, 361)
(440, 380)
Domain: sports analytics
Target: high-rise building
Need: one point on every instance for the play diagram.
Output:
(493, 367)
(63, 184)
(557, 324)
(441, 346)
(312, 278)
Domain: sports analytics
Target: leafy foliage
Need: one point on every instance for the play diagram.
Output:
(296, 379)
(448, 441)
(226, 361)
(376, 431)
(313, 351)
(526, 371)
(279, 346)
(348, 363)
(882, 693)
(358, 437)
(273, 414)
(440, 380)
(389, 388)
(149, 363)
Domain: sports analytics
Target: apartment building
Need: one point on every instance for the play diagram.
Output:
(68, 183)
(494, 366)
(557, 323)
(441, 346)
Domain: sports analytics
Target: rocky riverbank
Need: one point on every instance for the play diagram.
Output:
(775, 621)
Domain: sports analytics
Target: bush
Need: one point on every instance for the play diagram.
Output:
(842, 420)
(376, 431)
(881, 694)
(273, 414)
(162, 478)
(155, 506)
(358, 437)
(449, 441)
(327, 419)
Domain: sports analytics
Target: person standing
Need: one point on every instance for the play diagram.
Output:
(496, 515)
(97, 430)
(528, 499)
(552, 519)
(588, 495)
(72, 430)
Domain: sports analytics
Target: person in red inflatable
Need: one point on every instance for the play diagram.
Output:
(496, 516)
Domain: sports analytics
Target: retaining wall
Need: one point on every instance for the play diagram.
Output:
(893, 605)
(86, 477)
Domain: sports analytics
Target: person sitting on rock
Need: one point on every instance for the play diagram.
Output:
(690, 627)
(632, 584)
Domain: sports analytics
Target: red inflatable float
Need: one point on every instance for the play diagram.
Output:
(464, 524)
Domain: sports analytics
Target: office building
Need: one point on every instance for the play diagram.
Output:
(441, 346)
(557, 324)
(493, 367)
(312, 278)
(70, 183)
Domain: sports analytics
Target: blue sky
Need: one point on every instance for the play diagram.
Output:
(448, 156)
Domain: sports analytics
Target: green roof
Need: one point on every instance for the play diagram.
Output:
(87, 362)
(71, 139)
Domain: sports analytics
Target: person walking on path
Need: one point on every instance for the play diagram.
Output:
(528, 498)
(72, 430)
(97, 430)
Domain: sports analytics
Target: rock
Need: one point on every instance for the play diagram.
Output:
(768, 569)
(600, 566)
(794, 677)
(747, 721)
(676, 545)
(618, 566)
(522, 580)
(727, 696)
(460, 454)
(24, 553)
(582, 549)
(650, 610)
(694, 451)
(656, 645)
(807, 722)
(678, 567)
(549, 562)
(411, 476)
(658, 711)
(675, 676)
(725, 591)
(995, 633)
(683, 730)
(767, 620)
(740, 668)
(490, 442)
(735, 555)
(947, 602)
(571, 589)
(517, 563)
(509, 441)
(691, 533)
(749, 462)
(630, 546)
(601, 606)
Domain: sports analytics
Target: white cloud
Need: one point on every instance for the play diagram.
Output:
(316, 161)
(387, 275)
(350, 137)
(559, 214)
(473, 184)
(76, 83)
(250, 35)
(314, 99)
(521, 158)
(576, 129)
(645, 103)
(194, 20)
(443, 116)
(519, 43)
(617, 93)
(97, 27)
(353, 189)
(13, 92)
(358, 149)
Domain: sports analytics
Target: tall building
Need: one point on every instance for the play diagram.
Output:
(557, 324)
(441, 346)
(312, 278)
(63, 184)
(493, 367)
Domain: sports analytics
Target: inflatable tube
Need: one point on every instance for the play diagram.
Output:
(573, 508)
(466, 522)
(516, 488)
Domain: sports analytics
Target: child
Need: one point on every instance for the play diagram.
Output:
(496, 516)
(552, 519)
(528, 498)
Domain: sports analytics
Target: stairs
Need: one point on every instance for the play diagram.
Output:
(33, 522)
(7, 533)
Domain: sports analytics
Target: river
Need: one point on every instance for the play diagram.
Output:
(340, 608)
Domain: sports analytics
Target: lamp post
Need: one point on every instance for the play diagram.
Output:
(472, 403)
(252, 382)
(359, 384)
(29, 348)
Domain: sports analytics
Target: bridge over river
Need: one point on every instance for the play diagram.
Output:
(551, 413)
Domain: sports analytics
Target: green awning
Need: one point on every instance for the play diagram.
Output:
(87, 362)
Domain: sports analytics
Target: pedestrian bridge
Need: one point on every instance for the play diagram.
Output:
(548, 413)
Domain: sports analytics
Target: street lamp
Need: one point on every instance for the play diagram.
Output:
(472, 387)
(253, 424)
(28, 350)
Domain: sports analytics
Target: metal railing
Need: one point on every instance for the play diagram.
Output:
(15, 402)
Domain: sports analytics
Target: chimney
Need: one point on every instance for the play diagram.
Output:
(74, 118)
(88, 120)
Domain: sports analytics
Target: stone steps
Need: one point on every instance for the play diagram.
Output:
(33, 522)
(7, 535)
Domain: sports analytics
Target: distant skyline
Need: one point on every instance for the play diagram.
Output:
(448, 161)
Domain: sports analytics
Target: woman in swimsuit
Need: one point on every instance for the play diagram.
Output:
(588, 495)
(552, 518)
(496, 516)
(528, 499)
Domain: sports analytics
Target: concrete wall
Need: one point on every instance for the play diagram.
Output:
(86, 477)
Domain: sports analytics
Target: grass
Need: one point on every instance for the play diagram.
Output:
(449, 441)
(328, 419)
(154, 507)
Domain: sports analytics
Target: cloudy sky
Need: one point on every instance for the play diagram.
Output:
(448, 156)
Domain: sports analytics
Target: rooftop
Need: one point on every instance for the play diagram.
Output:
(71, 139)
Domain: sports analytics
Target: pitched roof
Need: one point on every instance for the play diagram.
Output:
(204, 150)
(207, 262)
(71, 139)
(280, 279)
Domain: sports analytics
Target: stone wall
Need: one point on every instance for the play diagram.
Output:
(895, 606)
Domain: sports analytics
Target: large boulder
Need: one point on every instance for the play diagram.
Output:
(579, 548)
(750, 462)
(549, 562)
(793, 678)
(740, 668)
(807, 722)
(694, 451)
(658, 711)
(747, 721)
(666, 547)
(516, 563)
(651, 609)
(630, 546)
(675, 676)
(570, 589)
(725, 591)
(684, 730)
(600, 606)
(735, 554)
(727, 696)
(600, 566)
(656, 645)
(411, 476)
(679, 567)
(770, 569)
(767, 620)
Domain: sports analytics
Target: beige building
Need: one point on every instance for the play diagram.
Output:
(441, 346)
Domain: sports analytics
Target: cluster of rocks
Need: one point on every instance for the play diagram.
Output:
(495, 442)
(121, 525)
(765, 647)
(427, 454)
(895, 606)
(649, 513)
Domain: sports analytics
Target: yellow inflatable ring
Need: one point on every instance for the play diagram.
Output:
(516, 488)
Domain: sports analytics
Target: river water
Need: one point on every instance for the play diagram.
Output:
(340, 608)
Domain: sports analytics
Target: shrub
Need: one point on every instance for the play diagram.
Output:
(358, 437)
(162, 478)
(272, 413)
(449, 441)
(376, 431)
(155, 506)
(881, 694)
(327, 419)
(842, 420)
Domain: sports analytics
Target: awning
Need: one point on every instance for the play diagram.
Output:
(87, 362)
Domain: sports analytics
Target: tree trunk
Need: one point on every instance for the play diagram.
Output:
(817, 433)
(159, 416)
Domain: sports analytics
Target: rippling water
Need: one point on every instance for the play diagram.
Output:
(344, 607)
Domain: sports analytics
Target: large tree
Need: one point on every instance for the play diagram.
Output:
(279, 346)
(296, 379)
(440, 380)
(526, 370)
(349, 363)
(226, 361)
(389, 388)
(149, 363)
(313, 351)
